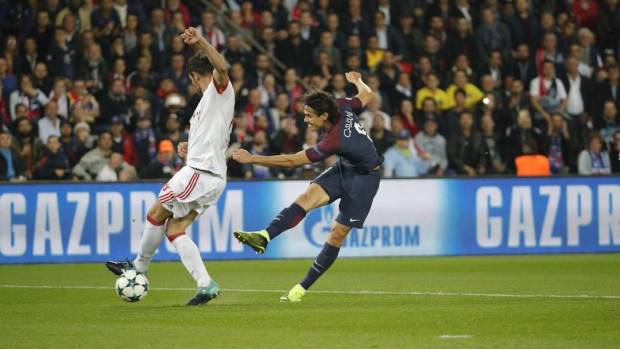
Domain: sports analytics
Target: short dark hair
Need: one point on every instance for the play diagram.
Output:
(199, 64)
(322, 102)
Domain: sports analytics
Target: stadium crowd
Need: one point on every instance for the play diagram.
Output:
(97, 90)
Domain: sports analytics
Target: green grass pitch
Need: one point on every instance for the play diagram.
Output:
(519, 301)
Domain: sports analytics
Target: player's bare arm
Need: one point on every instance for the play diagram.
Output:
(282, 161)
(364, 92)
(192, 37)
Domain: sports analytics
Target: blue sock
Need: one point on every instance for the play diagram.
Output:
(323, 261)
(288, 217)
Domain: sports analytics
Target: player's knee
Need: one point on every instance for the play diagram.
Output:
(158, 212)
(177, 225)
(337, 235)
(314, 197)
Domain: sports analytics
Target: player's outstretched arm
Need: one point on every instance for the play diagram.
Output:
(364, 93)
(192, 37)
(280, 161)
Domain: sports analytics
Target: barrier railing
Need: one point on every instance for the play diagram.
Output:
(64, 222)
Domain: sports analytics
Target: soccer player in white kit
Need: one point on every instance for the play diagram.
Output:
(199, 184)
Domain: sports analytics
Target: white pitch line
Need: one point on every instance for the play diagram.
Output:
(361, 292)
(455, 336)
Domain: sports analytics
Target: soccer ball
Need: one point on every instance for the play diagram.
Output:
(132, 286)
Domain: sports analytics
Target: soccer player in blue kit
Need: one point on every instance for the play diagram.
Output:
(354, 179)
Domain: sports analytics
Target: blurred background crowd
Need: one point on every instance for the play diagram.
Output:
(97, 90)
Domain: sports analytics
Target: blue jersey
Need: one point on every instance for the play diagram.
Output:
(347, 139)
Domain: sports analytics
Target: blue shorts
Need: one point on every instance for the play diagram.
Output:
(356, 192)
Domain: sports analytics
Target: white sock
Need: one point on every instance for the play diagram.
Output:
(150, 241)
(190, 256)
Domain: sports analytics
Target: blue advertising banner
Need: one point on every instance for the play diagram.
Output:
(94, 222)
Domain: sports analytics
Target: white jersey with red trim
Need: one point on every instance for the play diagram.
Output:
(210, 127)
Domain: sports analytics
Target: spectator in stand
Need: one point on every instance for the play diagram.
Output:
(50, 123)
(85, 107)
(403, 90)
(614, 154)
(609, 89)
(460, 40)
(373, 108)
(80, 13)
(549, 52)
(326, 44)
(8, 81)
(31, 97)
(114, 103)
(143, 75)
(594, 160)
(172, 130)
(145, 141)
(403, 160)
(522, 24)
(495, 69)
(288, 139)
(60, 95)
(54, 164)
(84, 141)
(61, 58)
(42, 32)
(578, 88)
(67, 142)
(94, 69)
(258, 146)
(523, 130)
(523, 67)
(116, 169)
(407, 117)
(531, 163)
(122, 142)
(411, 37)
(466, 149)
(29, 146)
(380, 135)
(473, 95)
(295, 51)
(165, 164)
(588, 54)
(493, 160)
(547, 94)
(162, 33)
(491, 35)
(176, 72)
(11, 164)
(93, 161)
(560, 146)
(434, 145)
(30, 57)
(449, 123)
(610, 123)
(41, 78)
(431, 89)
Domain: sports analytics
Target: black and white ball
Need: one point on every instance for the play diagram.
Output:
(132, 286)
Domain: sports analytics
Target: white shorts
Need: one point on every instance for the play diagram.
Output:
(191, 189)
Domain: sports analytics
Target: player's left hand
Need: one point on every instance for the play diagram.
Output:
(182, 149)
(191, 36)
(242, 156)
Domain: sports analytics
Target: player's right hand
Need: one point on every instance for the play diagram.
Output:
(242, 156)
(191, 36)
(182, 149)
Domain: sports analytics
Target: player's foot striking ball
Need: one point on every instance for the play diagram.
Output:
(354, 179)
(199, 184)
